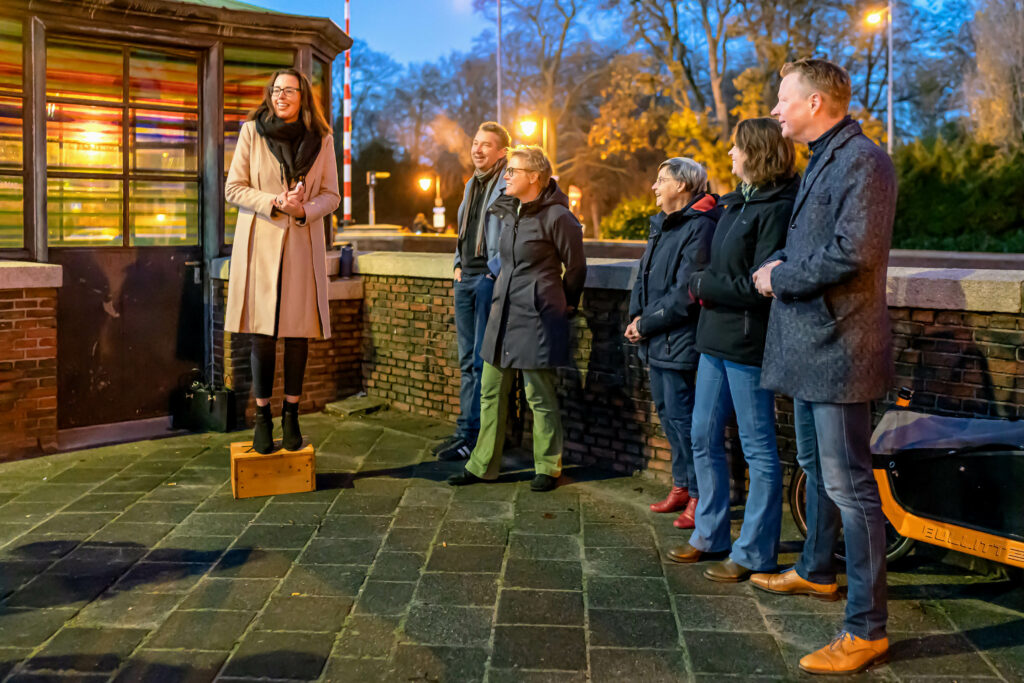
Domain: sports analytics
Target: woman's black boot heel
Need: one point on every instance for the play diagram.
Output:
(292, 440)
(263, 434)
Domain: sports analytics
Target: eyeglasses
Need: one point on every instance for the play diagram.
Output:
(511, 171)
(287, 92)
(661, 180)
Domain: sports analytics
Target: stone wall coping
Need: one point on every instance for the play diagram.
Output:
(30, 275)
(958, 289)
(337, 288)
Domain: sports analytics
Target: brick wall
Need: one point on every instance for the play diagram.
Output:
(332, 370)
(28, 372)
(959, 363)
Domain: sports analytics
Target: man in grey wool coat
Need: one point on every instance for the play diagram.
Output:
(829, 347)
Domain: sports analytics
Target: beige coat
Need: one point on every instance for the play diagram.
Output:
(266, 248)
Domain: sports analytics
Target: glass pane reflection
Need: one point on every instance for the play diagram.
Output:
(10, 55)
(232, 125)
(12, 230)
(319, 69)
(246, 72)
(83, 138)
(230, 219)
(83, 212)
(164, 79)
(164, 141)
(10, 132)
(163, 214)
(84, 71)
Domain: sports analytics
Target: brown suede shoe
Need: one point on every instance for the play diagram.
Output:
(790, 583)
(846, 654)
(727, 571)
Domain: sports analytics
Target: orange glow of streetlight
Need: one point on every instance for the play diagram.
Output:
(528, 127)
(424, 183)
(876, 17)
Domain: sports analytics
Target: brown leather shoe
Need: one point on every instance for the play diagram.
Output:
(790, 583)
(687, 519)
(685, 554)
(846, 654)
(677, 499)
(727, 571)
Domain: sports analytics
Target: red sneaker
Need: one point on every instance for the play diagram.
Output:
(677, 499)
(686, 520)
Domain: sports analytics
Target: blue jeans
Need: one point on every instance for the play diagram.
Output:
(472, 306)
(672, 391)
(721, 387)
(833, 449)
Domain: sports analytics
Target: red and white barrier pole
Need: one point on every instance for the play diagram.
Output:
(347, 123)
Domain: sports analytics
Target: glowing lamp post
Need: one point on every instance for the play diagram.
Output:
(874, 19)
(528, 127)
(424, 184)
(371, 184)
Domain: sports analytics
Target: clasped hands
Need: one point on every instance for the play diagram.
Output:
(632, 333)
(290, 202)
(763, 278)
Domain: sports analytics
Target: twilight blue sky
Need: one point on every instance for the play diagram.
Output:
(408, 30)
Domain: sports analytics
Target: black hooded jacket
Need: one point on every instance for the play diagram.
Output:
(734, 318)
(679, 244)
(528, 327)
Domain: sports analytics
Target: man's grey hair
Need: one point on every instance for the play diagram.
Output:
(687, 171)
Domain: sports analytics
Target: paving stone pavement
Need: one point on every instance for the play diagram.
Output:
(134, 563)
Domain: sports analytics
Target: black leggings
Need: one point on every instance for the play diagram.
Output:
(264, 357)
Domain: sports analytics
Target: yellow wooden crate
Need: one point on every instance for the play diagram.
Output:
(254, 474)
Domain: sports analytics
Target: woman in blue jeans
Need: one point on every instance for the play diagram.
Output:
(664, 317)
(730, 340)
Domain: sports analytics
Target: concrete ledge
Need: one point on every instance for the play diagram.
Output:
(221, 267)
(30, 275)
(430, 266)
(958, 289)
(342, 289)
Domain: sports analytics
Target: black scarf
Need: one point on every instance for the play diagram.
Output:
(292, 144)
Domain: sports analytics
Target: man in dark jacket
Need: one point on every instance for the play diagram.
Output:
(664, 317)
(476, 266)
(828, 347)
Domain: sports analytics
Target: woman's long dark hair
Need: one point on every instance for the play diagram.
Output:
(310, 111)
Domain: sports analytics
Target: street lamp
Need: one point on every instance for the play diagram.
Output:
(528, 127)
(874, 18)
(424, 183)
(371, 183)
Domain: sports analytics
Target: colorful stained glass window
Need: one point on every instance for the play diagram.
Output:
(83, 212)
(84, 71)
(158, 78)
(10, 55)
(80, 137)
(164, 213)
(10, 133)
(12, 225)
(164, 141)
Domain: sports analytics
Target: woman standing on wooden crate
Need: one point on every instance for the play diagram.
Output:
(284, 180)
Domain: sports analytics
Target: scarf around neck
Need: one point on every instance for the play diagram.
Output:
(292, 144)
(483, 183)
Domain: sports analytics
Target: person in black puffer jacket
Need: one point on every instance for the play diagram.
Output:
(664, 316)
(730, 339)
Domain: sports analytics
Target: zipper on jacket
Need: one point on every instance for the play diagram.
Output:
(746, 323)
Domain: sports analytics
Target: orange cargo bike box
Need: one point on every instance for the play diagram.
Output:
(254, 474)
(953, 482)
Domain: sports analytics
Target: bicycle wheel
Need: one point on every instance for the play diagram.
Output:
(896, 546)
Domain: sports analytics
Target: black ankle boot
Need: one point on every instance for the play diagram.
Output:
(292, 440)
(263, 434)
